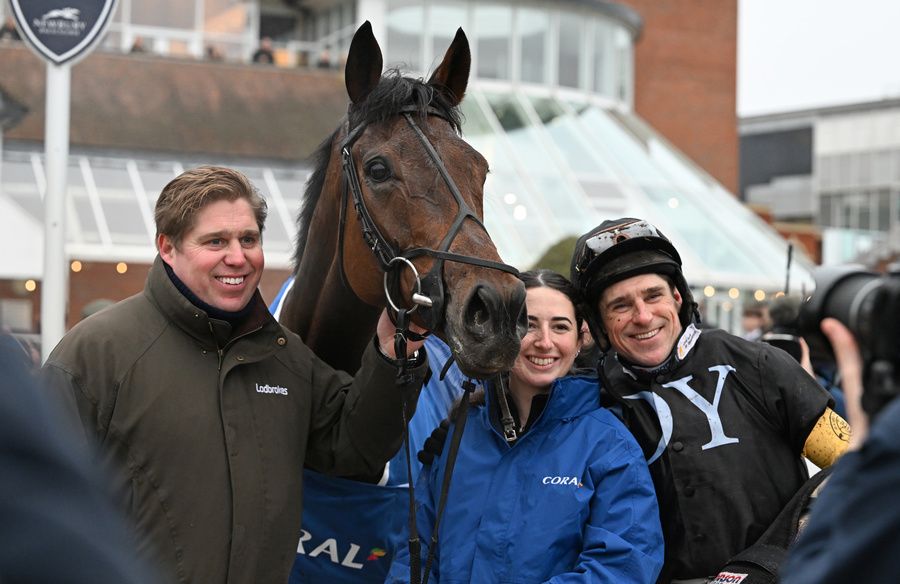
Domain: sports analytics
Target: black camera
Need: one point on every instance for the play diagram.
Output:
(868, 304)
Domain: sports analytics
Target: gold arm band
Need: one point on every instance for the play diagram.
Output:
(828, 440)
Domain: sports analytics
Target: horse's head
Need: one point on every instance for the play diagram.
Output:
(422, 186)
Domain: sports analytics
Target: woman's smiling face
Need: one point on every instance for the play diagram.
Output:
(548, 350)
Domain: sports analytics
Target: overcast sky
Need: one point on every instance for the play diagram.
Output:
(795, 54)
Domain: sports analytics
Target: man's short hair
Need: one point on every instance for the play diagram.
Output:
(188, 193)
(757, 308)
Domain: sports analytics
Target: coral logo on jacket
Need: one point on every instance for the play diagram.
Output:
(330, 549)
(728, 578)
(276, 389)
(561, 481)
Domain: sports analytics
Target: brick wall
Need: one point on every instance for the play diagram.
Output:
(686, 79)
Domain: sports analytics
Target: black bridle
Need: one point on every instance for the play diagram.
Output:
(429, 294)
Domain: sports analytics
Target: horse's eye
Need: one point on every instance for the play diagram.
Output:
(378, 171)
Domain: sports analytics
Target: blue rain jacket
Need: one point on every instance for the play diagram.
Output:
(351, 529)
(570, 502)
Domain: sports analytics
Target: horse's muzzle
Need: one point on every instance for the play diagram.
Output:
(490, 327)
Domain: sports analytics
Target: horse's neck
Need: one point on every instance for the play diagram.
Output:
(329, 318)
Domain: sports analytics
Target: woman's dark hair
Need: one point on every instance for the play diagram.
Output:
(543, 278)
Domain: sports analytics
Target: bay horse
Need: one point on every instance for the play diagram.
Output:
(398, 164)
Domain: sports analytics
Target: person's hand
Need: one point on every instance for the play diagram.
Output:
(386, 331)
(850, 365)
(805, 361)
(434, 444)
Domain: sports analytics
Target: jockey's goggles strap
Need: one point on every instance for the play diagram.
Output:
(604, 240)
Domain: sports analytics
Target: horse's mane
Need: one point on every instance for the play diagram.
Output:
(392, 94)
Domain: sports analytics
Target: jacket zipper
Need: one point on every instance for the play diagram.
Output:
(219, 350)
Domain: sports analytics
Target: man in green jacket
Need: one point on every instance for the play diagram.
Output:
(207, 409)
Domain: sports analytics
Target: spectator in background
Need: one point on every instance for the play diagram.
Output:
(20, 347)
(755, 321)
(138, 45)
(323, 61)
(264, 53)
(8, 31)
(213, 53)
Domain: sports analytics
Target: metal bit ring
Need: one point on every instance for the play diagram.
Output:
(417, 297)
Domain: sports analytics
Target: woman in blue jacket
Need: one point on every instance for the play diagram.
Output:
(568, 499)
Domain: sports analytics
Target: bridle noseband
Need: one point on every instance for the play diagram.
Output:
(429, 295)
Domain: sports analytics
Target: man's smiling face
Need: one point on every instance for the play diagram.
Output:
(220, 259)
(640, 317)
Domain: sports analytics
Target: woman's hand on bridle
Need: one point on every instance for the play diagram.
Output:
(386, 331)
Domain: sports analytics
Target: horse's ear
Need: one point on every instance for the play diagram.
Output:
(364, 62)
(452, 75)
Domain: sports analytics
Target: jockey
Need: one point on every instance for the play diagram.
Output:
(722, 421)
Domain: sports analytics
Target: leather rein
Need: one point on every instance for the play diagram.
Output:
(429, 295)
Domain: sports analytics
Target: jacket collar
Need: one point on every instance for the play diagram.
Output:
(195, 322)
(569, 397)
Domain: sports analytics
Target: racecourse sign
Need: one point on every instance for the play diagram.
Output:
(62, 31)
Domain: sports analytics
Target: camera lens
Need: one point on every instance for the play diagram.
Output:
(869, 305)
(846, 293)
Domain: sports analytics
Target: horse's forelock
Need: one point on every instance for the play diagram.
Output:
(394, 93)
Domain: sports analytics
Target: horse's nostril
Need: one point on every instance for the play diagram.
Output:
(480, 309)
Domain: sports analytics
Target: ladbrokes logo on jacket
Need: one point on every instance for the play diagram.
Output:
(275, 389)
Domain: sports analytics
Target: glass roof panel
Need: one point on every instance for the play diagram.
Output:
(126, 225)
(123, 216)
(619, 145)
(84, 214)
(517, 218)
(672, 163)
(475, 123)
(31, 205)
(545, 167)
(154, 178)
(708, 238)
(606, 197)
(570, 139)
(276, 237)
(18, 184)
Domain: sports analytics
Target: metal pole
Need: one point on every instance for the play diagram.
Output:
(787, 271)
(55, 282)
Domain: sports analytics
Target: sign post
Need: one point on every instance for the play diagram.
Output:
(61, 32)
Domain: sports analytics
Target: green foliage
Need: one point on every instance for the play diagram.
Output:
(558, 257)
